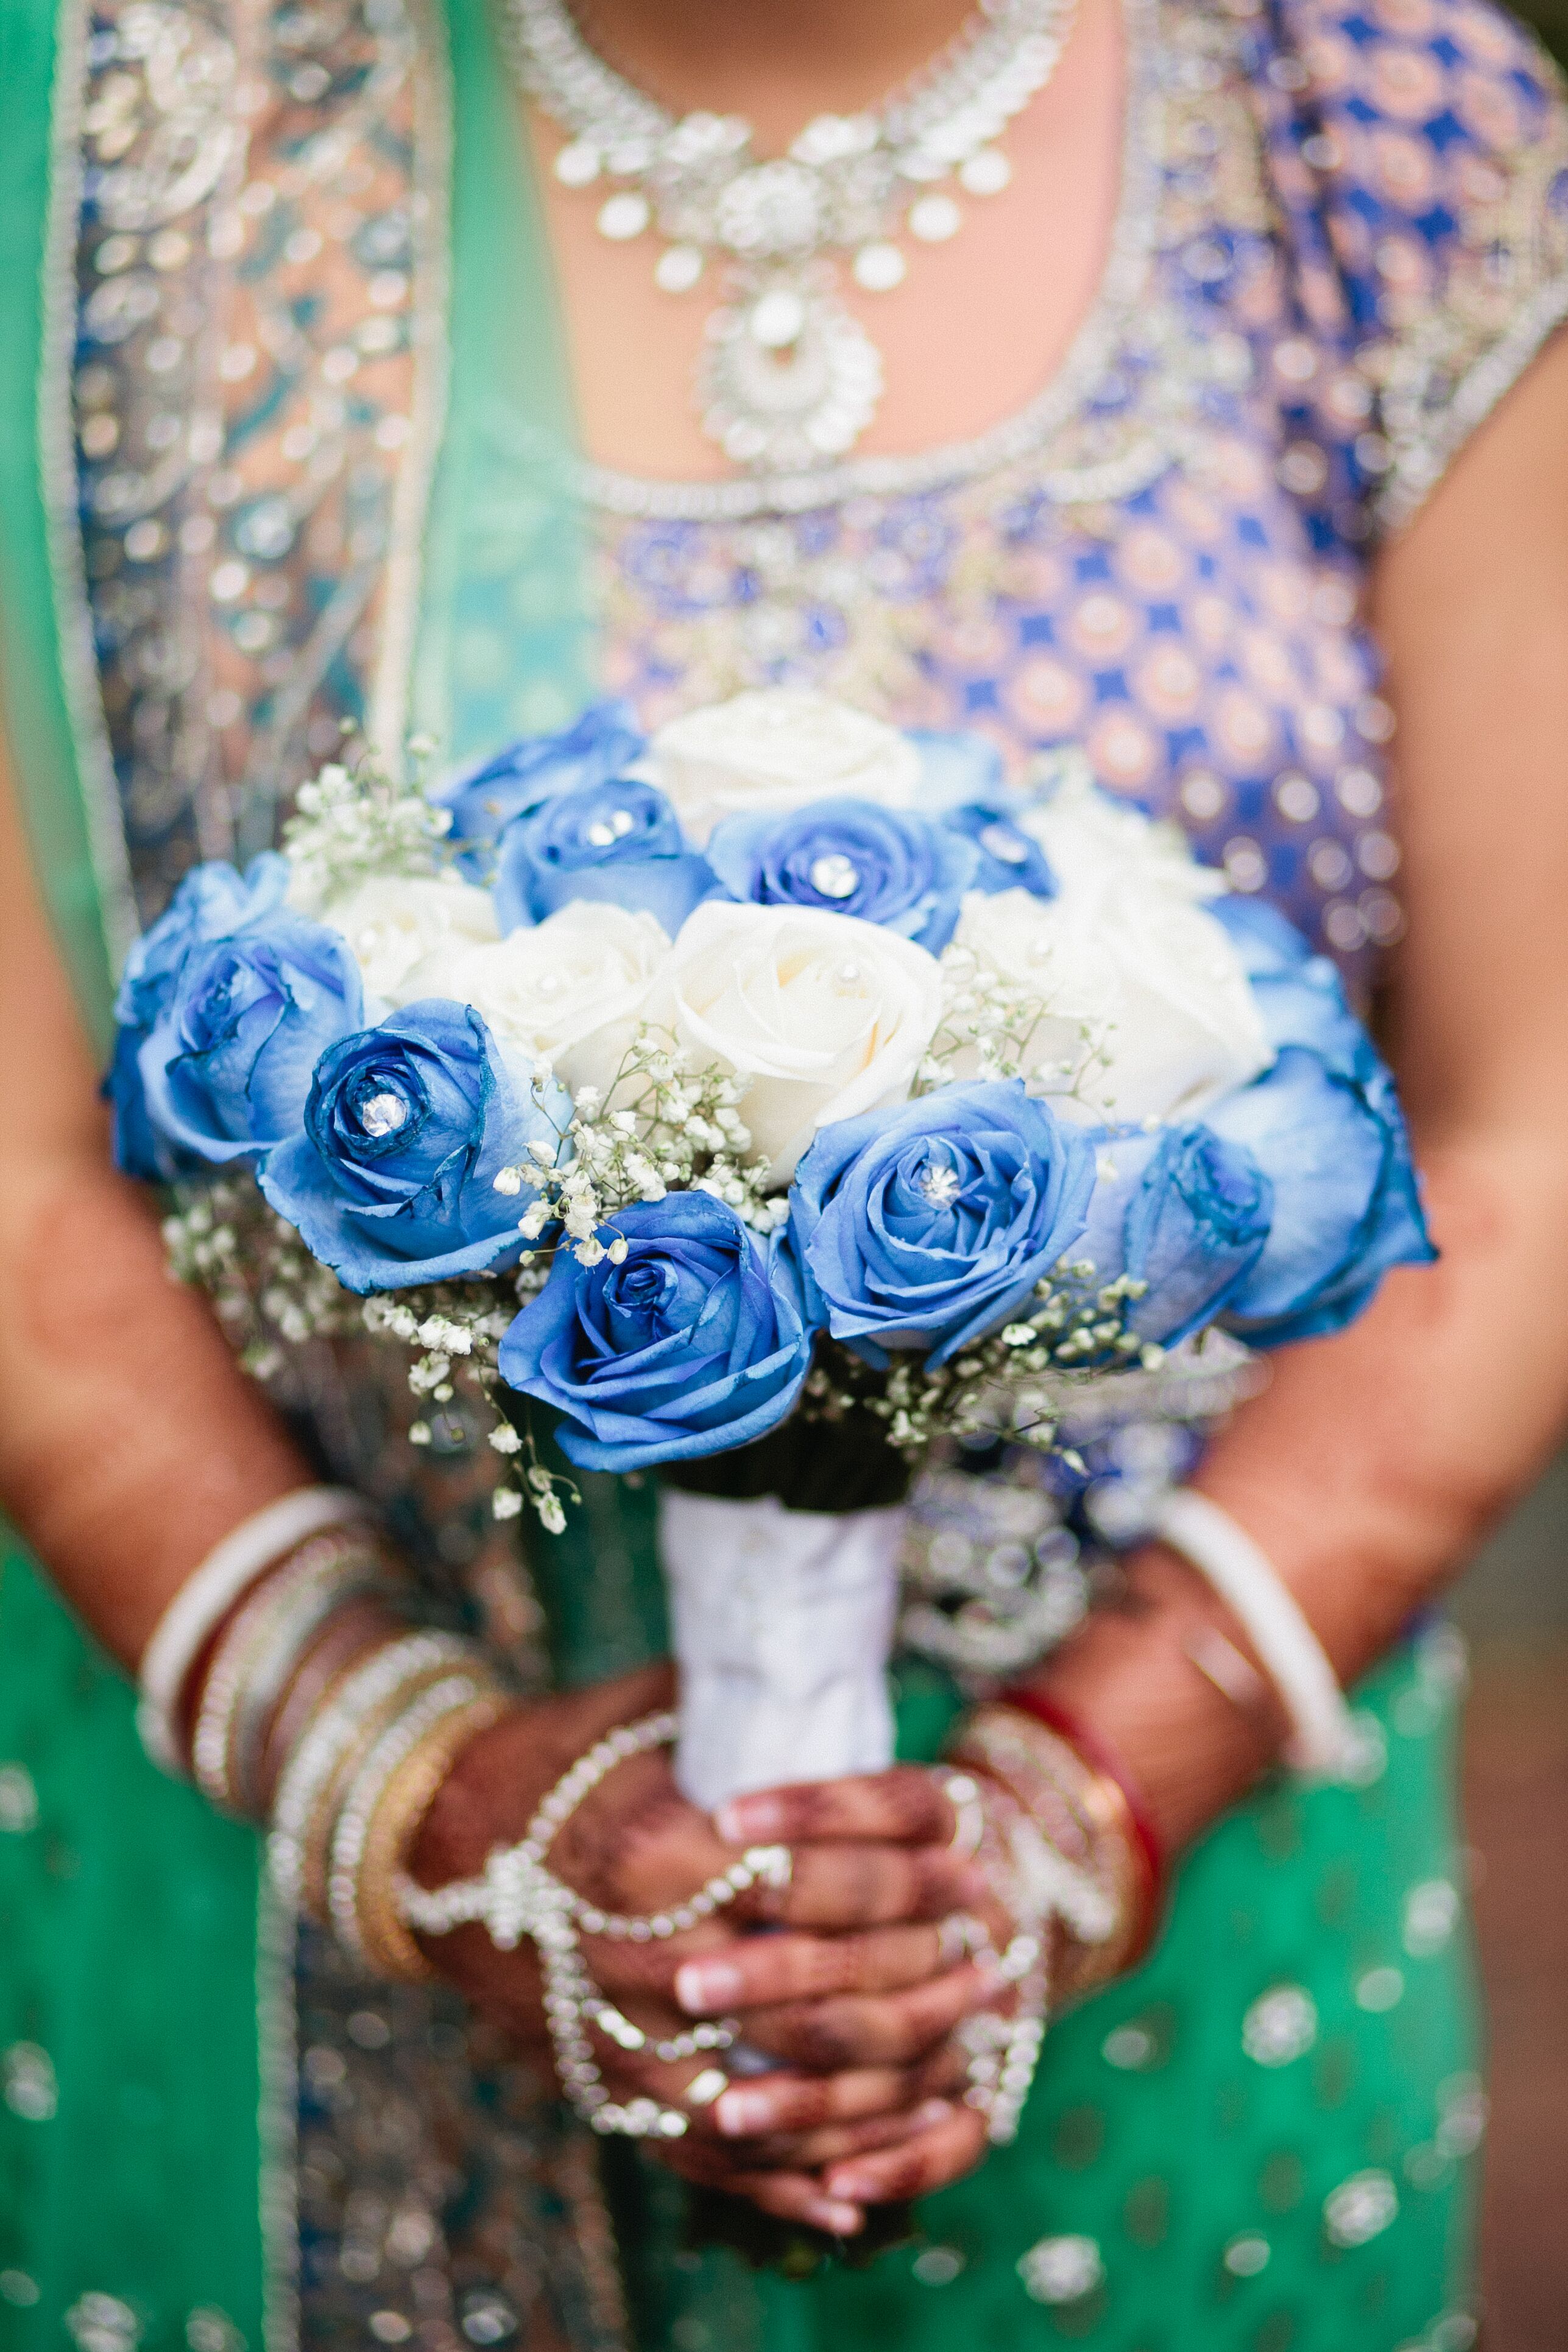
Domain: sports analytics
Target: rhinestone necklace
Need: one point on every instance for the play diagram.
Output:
(788, 375)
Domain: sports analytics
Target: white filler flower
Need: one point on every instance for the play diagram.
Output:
(824, 1016)
(778, 748)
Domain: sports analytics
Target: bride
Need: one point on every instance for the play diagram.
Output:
(1173, 378)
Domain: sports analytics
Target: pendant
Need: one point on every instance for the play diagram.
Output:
(789, 378)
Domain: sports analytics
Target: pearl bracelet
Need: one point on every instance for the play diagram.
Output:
(518, 1896)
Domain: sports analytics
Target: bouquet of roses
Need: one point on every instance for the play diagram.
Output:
(770, 1101)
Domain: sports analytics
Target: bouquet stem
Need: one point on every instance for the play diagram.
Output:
(782, 1623)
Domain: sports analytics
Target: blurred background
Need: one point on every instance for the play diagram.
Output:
(1513, 1606)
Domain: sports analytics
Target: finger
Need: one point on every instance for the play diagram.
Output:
(812, 2151)
(760, 1970)
(773, 2105)
(788, 2195)
(868, 1885)
(928, 2160)
(888, 2029)
(905, 1806)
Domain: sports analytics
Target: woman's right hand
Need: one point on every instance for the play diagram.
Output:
(850, 1992)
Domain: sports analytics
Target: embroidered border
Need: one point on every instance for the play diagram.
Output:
(58, 476)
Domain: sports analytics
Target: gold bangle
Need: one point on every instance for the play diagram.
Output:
(317, 1839)
(395, 1823)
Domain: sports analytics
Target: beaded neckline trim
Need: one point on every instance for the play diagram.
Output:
(1123, 284)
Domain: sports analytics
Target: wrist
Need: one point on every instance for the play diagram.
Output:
(1142, 1675)
(496, 1784)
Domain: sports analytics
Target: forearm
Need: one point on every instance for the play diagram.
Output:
(129, 1441)
(1367, 1470)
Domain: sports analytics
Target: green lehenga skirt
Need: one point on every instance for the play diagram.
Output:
(1259, 2143)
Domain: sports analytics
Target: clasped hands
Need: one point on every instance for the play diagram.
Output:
(853, 1990)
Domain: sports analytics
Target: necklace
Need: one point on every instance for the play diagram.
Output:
(788, 376)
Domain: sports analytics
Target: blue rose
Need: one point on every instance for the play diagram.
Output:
(226, 1066)
(1347, 1207)
(1181, 1210)
(694, 1344)
(485, 797)
(213, 901)
(618, 841)
(956, 765)
(407, 1125)
(1006, 858)
(849, 857)
(1299, 995)
(926, 1226)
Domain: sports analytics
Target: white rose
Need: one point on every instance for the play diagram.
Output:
(572, 987)
(826, 1016)
(393, 924)
(777, 749)
(1151, 977)
(1092, 840)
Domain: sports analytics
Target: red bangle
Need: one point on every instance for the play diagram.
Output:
(1104, 1760)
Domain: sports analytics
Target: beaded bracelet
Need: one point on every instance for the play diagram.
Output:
(518, 1896)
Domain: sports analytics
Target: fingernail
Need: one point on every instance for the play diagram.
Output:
(934, 2111)
(749, 1821)
(704, 1985)
(741, 2115)
(852, 2184)
(840, 2220)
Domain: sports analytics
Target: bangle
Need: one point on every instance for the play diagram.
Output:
(1086, 1818)
(382, 1807)
(206, 1596)
(1323, 1739)
(354, 1712)
(258, 1652)
(352, 1634)
(1115, 1805)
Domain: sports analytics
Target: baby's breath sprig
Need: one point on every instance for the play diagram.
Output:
(999, 1021)
(656, 1129)
(268, 1291)
(360, 824)
(273, 1298)
(1016, 1383)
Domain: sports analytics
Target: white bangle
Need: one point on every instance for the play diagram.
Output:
(210, 1592)
(1323, 1740)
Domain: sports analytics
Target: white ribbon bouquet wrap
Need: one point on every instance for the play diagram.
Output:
(782, 1623)
(785, 1069)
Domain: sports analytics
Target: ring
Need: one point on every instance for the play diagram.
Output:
(962, 1794)
(704, 2089)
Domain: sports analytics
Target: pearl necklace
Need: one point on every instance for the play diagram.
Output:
(788, 376)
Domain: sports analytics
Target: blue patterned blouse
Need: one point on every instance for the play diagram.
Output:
(1343, 232)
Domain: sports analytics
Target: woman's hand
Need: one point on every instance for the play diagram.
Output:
(854, 1991)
